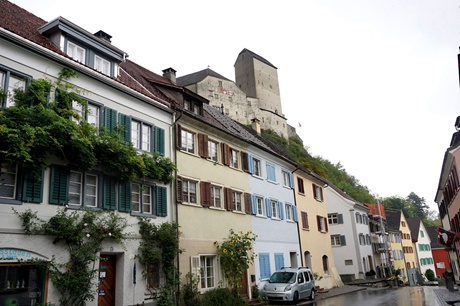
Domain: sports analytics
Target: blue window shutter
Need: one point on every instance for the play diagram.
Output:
(59, 185)
(109, 201)
(251, 164)
(294, 214)
(159, 140)
(32, 188)
(268, 171)
(279, 261)
(160, 201)
(291, 181)
(125, 197)
(281, 210)
(254, 204)
(125, 127)
(268, 207)
(110, 119)
(264, 263)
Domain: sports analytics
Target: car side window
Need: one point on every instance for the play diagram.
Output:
(307, 277)
(300, 278)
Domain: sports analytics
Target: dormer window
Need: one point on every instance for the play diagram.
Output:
(76, 52)
(101, 65)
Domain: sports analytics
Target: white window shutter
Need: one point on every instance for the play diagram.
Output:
(195, 268)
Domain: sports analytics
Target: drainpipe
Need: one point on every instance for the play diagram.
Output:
(174, 193)
(298, 227)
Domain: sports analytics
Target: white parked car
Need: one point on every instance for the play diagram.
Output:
(290, 284)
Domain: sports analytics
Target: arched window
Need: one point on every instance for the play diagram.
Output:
(325, 264)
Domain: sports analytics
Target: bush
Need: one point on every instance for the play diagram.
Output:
(430, 275)
(222, 297)
(190, 293)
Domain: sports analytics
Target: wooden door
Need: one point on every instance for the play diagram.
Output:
(107, 276)
(243, 283)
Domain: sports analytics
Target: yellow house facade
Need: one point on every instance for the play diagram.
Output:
(315, 241)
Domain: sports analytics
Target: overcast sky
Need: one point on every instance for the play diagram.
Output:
(373, 83)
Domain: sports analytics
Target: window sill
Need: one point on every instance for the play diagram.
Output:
(239, 212)
(273, 182)
(261, 216)
(138, 214)
(191, 204)
(13, 202)
(216, 208)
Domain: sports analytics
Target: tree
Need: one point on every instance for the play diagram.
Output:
(236, 256)
(421, 209)
(401, 204)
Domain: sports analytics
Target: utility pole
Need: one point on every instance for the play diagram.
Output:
(385, 241)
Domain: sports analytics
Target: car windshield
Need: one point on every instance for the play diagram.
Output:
(283, 277)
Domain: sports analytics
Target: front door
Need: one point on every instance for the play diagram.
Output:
(107, 276)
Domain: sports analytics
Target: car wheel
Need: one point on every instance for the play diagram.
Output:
(295, 299)
(313, 294)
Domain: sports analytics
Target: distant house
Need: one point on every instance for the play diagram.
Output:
(314, 224)
(440, 254)
(350, 234)
(422, 245)
(379, 236)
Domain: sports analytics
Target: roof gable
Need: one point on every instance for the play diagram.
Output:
(257, 57)
(196, 77)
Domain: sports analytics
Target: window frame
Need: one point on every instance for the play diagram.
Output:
(318, 193)
(77, 47)
(98, 59)
(142, 188)
(235, 158)
(186, 137)
(213, 157)
(8, 99)
(186, 198)
(141, 136)
(257, 167)
(84, 187)
(300, 186)
(221, 196)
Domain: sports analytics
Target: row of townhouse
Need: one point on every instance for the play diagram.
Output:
(228, 177)
(448, 200)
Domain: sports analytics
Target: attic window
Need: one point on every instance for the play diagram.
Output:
(76, 52)
(102, 65)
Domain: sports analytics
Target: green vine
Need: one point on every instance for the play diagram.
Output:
(160, 246)
(36, 128)
(236, 256)
(83, 233)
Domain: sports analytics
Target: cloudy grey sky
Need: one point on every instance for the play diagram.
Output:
(373, 83)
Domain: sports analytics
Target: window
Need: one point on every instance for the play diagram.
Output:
(141, 135)
(83, 189)
(189, 191)
(153, 276)
(274, 208)
(304, 216)
(237, 201)
(91, 114)
(101, 65)
(317, 192)
(338, 240)
(422, 234)
(188, 141)
(403, 224)
(260, 206)
(287, 179)
(193, 106)
(216, 196)
(348, 262)
(234, 162)
(325, 264)
(300, 185)
(368, 239)
(322, 224)
(76, 52)
(23, 283)
(142, 198)
(289, 212)
(361, 239)
(10, 81)
(204, 268)
(271, 176)
(335, 218)
(212, 150)
(7, 181)
(257, 169)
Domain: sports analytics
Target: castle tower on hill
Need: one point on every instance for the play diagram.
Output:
(254, 95)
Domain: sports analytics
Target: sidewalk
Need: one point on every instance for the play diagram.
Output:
(444, 295)
(339, 291)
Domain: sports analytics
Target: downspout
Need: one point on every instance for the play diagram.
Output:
(174, 194)
(298, 227)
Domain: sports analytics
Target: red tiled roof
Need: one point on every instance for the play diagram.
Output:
(374, 209)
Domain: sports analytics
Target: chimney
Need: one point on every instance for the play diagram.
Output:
(170, 74)
(104, 36)
(256, 125)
